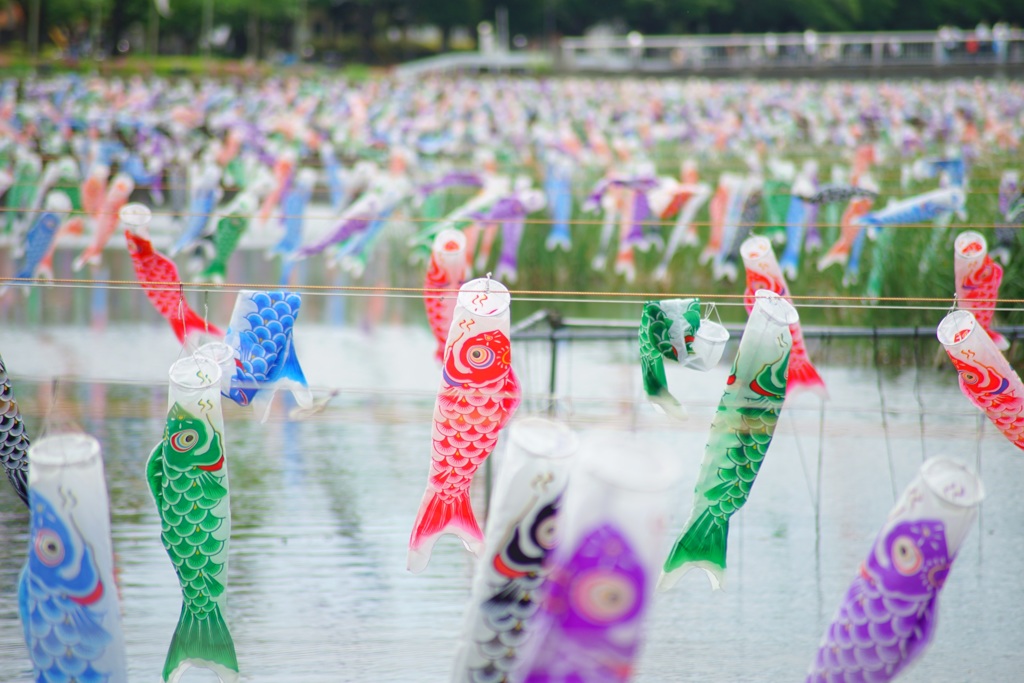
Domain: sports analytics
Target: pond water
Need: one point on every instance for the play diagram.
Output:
(322, 509)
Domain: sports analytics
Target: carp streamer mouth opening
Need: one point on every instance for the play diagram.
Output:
(194, 372)
(776, 307)
(64, 450)
(952, 482)
(543, 438)
(956, 327)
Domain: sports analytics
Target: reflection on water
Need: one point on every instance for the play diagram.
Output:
(322, 511)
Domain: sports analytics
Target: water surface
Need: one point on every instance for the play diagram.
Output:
(322, 509)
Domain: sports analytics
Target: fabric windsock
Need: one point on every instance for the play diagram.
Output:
(888, 616)
(521, 532)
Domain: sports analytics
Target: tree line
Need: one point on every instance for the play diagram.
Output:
(377, 31)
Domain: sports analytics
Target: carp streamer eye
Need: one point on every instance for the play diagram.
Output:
(49, 548)
(547, 533)
(906, 556)
(480, 357)
(184, 440)
(601, 597)
(969, 376)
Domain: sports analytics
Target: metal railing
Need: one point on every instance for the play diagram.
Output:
(455, 62)
(551, 326)
(791, 51)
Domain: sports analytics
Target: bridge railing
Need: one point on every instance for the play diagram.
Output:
(809, 50)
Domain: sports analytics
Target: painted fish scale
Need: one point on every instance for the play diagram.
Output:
(65, 636)
(887, 617)
(261, 346)
(159, 270)
(14, 442)
(187, 501)
(981, 290)
(667, 330)
(225, 240)
(59, 598)
(474, 429)
(866, 641)
(741, 433)
(191, 546)
(476, 398)
(38, 242)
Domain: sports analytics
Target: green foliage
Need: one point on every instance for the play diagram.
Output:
(336, 24)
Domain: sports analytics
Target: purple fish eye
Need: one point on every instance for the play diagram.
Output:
(602, 597)
(49, 548)
(906, 556)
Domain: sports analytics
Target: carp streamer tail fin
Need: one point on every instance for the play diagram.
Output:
(438, 516)
(803, 376)
(203, 641)
(191, 321)
(703, 545)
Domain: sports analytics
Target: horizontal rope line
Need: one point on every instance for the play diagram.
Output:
(806, 300)
(460, 190)
(527, 221)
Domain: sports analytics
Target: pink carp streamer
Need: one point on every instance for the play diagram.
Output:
(977, 281)
(986, 378)
(479, 393)
(106, 220)
(763, 272)
(445, 275)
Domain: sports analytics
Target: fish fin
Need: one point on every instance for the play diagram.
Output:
(215, 272)
(203, 642)
(702, 545)
(803, 376)
(789, 267)
(44, 271)
(261, 402)
(193, 323)
(215, 587)
(90, 256)
(315, 408)
(75, 226)
(26, 272)
(436, 517)
(1000, 341)
(838, 254)
(510, 593)
(513, 396)
(506, 271)
(558, 241)
(19, 480)
(155, 472)
(293, 379)
(664, 402)
(287, 268)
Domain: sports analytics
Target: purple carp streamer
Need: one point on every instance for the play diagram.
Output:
(887, 618)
